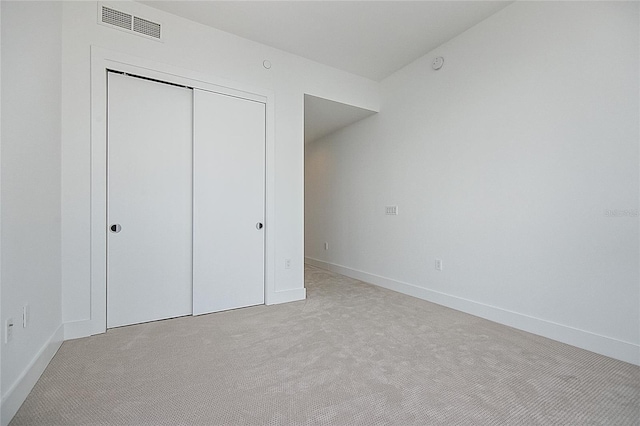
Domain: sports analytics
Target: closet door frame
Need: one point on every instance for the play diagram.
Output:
(103, 60)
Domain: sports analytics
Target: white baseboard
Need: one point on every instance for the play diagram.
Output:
(85, 328)
(78, 329)
(603, 345)
(287, 296)
(19, 391)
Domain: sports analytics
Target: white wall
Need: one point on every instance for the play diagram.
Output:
(1, 317)
(198, 48)
(503, 164)
(30, 193)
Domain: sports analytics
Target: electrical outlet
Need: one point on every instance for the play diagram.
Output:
(287, 264)
(439, 264)
(8, 330)
(26, 314)
(326, 246)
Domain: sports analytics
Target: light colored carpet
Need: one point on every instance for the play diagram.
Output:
(351, 354)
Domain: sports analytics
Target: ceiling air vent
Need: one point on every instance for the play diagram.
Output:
(129, 23)
(117, 18)
(148, 28)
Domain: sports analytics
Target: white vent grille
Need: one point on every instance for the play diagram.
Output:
(148, 28)
(129, 23)
(391, 210)
(117, 18)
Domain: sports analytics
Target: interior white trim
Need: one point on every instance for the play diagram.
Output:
(103, 60)
(603, 345)
(285, 296)
(77, 329)
(20, 389)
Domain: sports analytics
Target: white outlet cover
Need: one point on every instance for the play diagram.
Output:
(437, 63)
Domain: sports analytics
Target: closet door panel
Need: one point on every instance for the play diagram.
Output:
(149, 201)
(229, 200)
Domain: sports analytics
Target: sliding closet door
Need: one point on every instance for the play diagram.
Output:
(228, 216)
(149, 201)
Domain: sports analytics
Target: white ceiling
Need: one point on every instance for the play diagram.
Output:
(323, 117)
(368, 38)
(372, 39)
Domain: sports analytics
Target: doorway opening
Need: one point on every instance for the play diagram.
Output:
(324, 119)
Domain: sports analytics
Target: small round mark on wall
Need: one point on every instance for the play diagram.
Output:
(437, 63)
(266, 63)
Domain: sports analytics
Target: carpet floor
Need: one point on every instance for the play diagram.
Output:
(351, 354)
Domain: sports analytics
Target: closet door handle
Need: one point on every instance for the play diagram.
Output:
(259, 225)
(115, 228)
